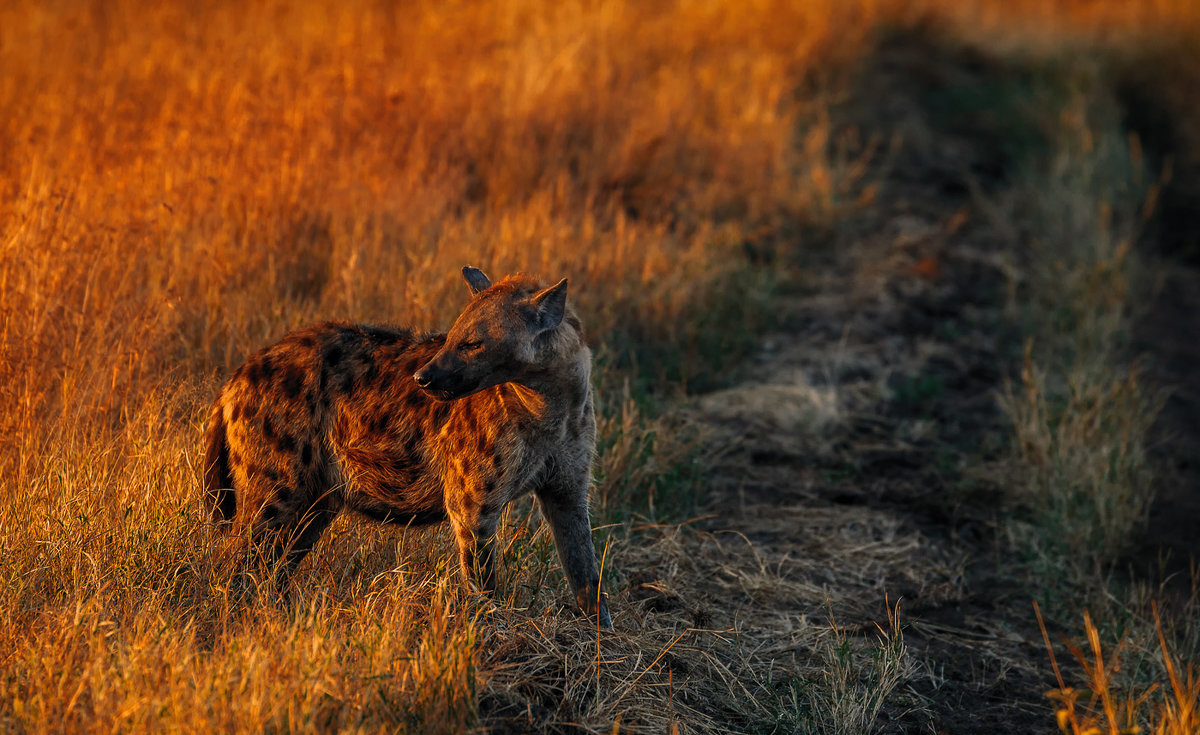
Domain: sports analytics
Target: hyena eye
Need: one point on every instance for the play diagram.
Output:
(469, 346)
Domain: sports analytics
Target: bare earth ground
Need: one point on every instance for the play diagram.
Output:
(844, 472)
(840, 475)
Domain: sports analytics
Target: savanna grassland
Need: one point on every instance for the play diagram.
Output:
(894, 309)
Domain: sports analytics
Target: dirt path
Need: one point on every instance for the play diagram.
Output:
(1167, 336)
(841, 474)
(848, 461)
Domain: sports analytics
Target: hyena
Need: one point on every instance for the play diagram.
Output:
(415, 428)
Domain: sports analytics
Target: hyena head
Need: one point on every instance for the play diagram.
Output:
(495, 339)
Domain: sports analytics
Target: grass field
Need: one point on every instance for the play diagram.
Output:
(888, 300)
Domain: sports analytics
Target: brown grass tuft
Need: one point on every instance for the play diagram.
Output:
(1172, 709)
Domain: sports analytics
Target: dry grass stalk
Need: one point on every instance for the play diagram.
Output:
(1105, 705)
(855, 685)
(1084, 459)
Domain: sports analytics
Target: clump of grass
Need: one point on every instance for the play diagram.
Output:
(1083, 460)
(854, 684)
(1105, 706)
(649, 467)
(1081, 413)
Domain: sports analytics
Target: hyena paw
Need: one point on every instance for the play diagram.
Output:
(594, 604)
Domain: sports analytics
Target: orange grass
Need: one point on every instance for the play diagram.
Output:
(1104, 706)
(183, 182)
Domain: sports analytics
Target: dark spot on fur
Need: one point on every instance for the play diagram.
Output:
(489, 487)
(412, 443)
(379, 424)
(271, 474)
(293, 382)
(306, 454)
(268, 428)
(347, 384)
(413, 400)
(260, 370)
(310, 400)
(285, 442)
(333, 355)
(371, 374)
(253, 372)
(307, 341)
(470, 503)
(381, 336)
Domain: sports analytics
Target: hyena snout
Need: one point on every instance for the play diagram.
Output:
(446, 382)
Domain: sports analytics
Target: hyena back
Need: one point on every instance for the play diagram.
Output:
(415, 428)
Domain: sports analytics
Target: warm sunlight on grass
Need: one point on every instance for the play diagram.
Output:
(184, 185)
(184, 182)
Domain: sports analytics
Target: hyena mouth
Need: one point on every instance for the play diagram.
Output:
(443, 395)
(449, 393)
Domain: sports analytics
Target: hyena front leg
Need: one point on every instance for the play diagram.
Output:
(564, 505)
(474, 532)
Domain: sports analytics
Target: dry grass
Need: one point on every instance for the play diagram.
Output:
(1083, 411)
(854, 686)
(184, 184)
(1169, 709)
(1082, 414)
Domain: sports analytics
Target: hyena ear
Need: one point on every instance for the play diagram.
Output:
(476, 280)
(549, 307)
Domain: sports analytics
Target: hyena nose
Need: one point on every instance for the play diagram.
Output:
(422, 379)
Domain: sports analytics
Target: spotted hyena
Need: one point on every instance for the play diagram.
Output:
(415, 428)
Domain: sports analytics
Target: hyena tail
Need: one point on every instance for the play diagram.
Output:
(218, 480)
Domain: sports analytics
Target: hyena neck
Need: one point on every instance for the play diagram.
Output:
(561, 385)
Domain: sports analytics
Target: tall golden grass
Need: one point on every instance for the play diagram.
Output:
(185, 182)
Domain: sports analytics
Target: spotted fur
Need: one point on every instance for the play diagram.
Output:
(415, 428)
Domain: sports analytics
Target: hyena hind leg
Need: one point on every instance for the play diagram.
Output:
(283, 536)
